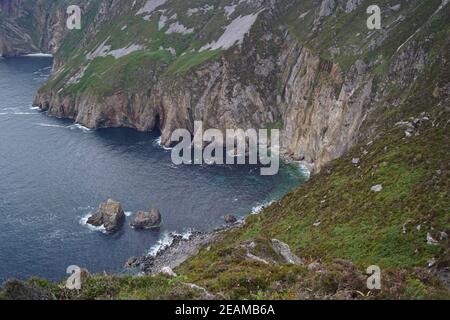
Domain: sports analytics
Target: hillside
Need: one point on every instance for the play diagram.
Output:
(362, 108)
(335, 224)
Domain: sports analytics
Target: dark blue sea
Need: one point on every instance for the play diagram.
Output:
(54, 173)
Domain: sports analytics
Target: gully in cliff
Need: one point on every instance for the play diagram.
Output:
(238, 147)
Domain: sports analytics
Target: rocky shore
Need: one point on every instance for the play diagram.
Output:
(179, 248)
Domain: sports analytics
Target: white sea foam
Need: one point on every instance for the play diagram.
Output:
(79, 126)
(186, 235)
(75, 126)
(48, 125)
(167, 240)
(128, 213)
(260, 207)
(158, 143)
(35, 108)
(39, 55)
(162, 244)
(84, 220)
(20, 113)
(305, 170)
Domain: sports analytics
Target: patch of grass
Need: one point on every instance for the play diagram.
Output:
(188, 61)
(388, 228)
(415, 289)
(104, 75)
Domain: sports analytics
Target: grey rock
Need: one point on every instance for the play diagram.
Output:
(168, 271)
(133, 262)
(431, 240)
(377, 188)
(147, 220)
(352, 5)
(315, 266)
(230, 219)
(110, 215)
(443, 236)
(395, 7)
(285, 251)
(327, 7)
(431, 262)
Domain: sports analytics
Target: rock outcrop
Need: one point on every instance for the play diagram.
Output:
(325, 88)
(110, 215)
(147, 220)
(230, 219)
(31, 27)
(284, 250)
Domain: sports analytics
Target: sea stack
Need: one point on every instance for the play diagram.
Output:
(110, 215)
(147, 220)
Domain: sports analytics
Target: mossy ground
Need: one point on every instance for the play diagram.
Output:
(356, 224)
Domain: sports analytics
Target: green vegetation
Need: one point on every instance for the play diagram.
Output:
(190, 60)
(355, 223)
(334, 219)
(105, 75)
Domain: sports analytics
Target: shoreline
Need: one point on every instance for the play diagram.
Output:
(180, 249)
(168, 255)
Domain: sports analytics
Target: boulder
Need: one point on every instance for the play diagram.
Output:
(315, 266)
(168, 271)
(132, 263)
(110, 215)
(377, 188)
(147, 220)
(285, 251)
(230, 219)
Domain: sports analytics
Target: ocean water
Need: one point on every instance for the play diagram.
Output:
(54, 173)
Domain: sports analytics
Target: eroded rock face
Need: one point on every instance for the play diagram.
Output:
(110, 215)
(322, 118)
(147, 220)
(44, 34)
(322, 106)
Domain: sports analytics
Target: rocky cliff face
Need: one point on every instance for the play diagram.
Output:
(30, 27)
(311, 68)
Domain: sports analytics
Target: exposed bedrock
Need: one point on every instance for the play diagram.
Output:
(322, 105)
(320, 109)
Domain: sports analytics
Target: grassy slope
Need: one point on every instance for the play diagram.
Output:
(125, 28)
(357, 225)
